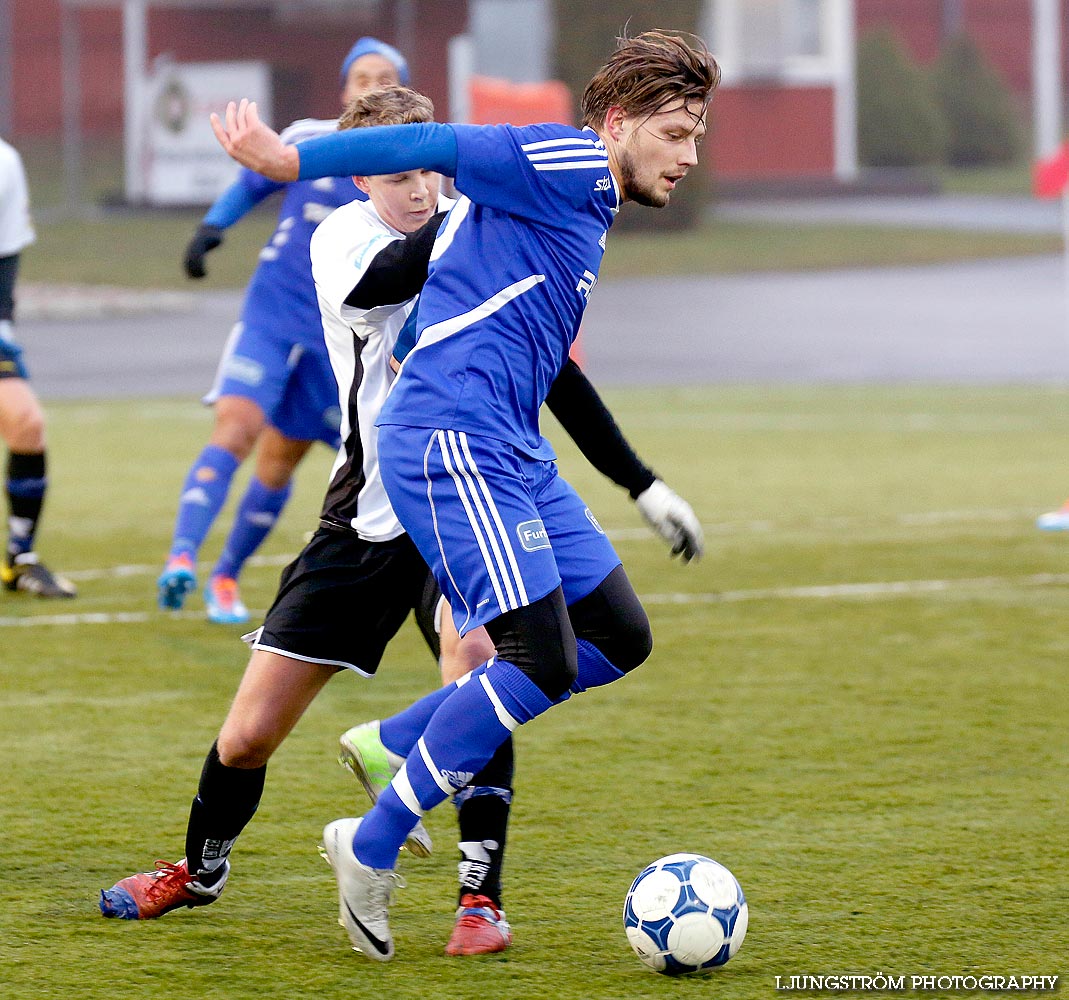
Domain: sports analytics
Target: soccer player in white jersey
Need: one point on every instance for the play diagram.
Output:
(22, 421)
(274, 389)
(352, 586)
(467, 471)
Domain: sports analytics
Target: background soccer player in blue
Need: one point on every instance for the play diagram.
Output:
(512, 546)
(274, 382)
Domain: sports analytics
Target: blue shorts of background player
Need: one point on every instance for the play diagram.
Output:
(11, 363)
(293, 384)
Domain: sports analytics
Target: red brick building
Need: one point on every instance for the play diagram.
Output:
(785, 110)
(304, 45)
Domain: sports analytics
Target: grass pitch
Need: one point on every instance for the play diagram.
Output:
(856, 702)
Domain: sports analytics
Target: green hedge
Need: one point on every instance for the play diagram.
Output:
(899, 123)
(960, 112)
(981, 120)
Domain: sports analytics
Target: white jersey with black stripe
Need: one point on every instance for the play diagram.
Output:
(360, 343)
(16, 229)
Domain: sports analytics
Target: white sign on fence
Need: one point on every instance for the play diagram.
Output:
(181, 161)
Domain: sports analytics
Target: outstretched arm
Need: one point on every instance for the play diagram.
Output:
(380, 149)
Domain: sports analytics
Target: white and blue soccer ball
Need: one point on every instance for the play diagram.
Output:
(685, 914)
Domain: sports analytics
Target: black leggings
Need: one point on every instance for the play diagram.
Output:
(540, 638)
(9, 269)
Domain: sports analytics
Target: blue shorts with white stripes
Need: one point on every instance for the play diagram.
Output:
(292, 382)
(498, 529)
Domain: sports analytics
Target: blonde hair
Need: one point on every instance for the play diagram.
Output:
(387, 106)
(648, 71)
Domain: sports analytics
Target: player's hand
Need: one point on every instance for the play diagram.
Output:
(206, 238)
(673, 519)
(254, 144)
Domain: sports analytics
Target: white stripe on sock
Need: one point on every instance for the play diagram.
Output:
(502, 713)
(403, 787)
(444, 785)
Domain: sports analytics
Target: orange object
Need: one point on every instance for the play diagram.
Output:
(494, 102)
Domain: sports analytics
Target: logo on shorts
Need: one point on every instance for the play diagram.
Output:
(594, 521)
(244, 370)
(533, 535)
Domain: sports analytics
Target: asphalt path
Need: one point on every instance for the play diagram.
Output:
(998, 321)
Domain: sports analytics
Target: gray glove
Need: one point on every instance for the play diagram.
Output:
(673, 519)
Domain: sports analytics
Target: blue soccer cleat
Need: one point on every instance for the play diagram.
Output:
(1055, 520)
(223, 601)
(177, 581)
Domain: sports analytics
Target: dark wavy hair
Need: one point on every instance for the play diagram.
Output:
(648, 71)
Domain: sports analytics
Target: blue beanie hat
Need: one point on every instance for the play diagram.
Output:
(372, 46)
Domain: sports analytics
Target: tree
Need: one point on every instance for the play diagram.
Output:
(981, 124)
(899, 123)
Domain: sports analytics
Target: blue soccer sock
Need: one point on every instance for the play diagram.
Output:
(594, 668)
(399, 732)
(256, 516)
(460, 738)
(203, 495)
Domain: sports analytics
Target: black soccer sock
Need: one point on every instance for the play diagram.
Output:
(26, 485)
(227, 798)
(483, 813)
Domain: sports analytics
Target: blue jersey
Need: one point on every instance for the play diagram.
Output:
(281, 293)
(510, 274)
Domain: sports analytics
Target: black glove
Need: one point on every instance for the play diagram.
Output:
(204, 239)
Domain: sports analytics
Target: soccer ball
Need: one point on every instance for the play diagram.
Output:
(685, 913)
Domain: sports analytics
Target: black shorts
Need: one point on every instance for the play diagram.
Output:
(11, 363)
(343, 599)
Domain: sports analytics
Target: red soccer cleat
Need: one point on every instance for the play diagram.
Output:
(148, 895)
(481, 928)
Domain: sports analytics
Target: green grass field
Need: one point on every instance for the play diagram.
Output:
(856, 702)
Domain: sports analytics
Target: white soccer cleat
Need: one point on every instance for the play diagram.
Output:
(363, 754)
(363, 893)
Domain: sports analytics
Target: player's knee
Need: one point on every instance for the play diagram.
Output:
(556, 671)
(244, 747)
(612, 619)
(24, 427)
(238, 424)
(539, 640)
(631, 643)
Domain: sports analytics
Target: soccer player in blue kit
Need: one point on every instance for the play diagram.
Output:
(512, 546)
(274, 384)
(345, 596)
